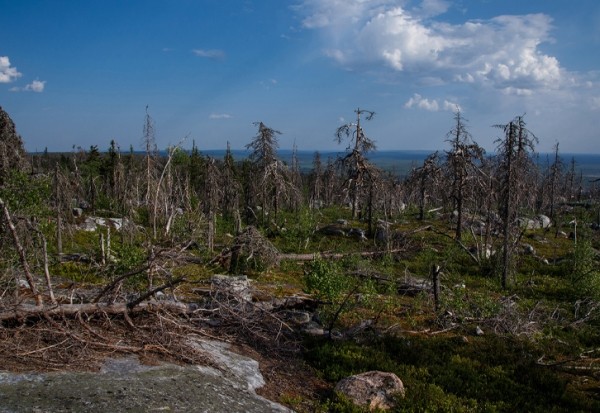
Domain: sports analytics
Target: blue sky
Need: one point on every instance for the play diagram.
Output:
(82, 72)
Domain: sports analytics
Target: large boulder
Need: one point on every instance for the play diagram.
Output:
(373, 389)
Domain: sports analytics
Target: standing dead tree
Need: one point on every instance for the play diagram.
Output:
(149, 143)
(514, 153)
(271, 174)
(462, 163)
(423, 181)
(359, 173)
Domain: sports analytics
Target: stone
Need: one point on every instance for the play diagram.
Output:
(88, 225)
(314, 329)
(527, 223)
(77, 212)
(544, 221)
(528, 249)
(479, 331)
(373, 389)
(357, 233)
(238, 285)
(334, 230)
(227, 384)
(298, 317)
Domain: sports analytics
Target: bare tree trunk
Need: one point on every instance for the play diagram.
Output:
(435, 274)
(22, 256)
(45, 252)
(58, 213)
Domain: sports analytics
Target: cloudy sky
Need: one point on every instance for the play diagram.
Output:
(82, 72)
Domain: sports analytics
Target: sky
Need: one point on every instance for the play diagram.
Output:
(80, 73)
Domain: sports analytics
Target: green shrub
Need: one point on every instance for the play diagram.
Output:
(584, 273)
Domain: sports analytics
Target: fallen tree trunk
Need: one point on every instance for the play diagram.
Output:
(335, 255)
(24, 311)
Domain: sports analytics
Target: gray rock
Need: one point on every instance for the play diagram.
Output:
(238, 285)
(528, 249)
(357, 233)
(77, 212)
(314, 329)
(373, 389)
(544, 221)
(298, 317)
(332, 230)
(127, 385)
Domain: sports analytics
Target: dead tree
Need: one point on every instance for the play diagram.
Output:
(423, 181)
(462, 162)
(514, 151)
(271, 174)
(358, 172)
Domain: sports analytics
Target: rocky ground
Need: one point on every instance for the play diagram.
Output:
(231, 383)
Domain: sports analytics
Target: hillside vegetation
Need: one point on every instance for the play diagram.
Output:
(476, 279)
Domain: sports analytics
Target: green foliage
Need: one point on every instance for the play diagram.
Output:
(464, 303)
(443, 374)
(128, 257)
(298, 231)
(26, 194)
(584, 273)
(327, 281)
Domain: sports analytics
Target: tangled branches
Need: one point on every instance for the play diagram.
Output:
(231, 310)
(82, 342)
(252, 251)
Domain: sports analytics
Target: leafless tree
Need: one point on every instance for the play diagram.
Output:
(514, 151)
(462, 163)
(359, 173)
(269, 172)
(423, 181)
(149, 143)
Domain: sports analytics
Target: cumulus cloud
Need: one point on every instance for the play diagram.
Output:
(219, 116)
(35, 86)
(209, 53)
(432, 105)
(8, 73)
(502, 52)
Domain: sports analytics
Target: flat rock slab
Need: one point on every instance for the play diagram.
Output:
(126, 385)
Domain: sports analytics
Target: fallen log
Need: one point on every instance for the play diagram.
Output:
(25, 311)
(335, 255)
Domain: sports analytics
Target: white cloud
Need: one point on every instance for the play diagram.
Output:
(595, 103)
(451, 106)
(8, 73)
(219, 116)
(431, 8)
(209, 53)
(36, 86)
(432, 105)
(501, 52)
(419, 102)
